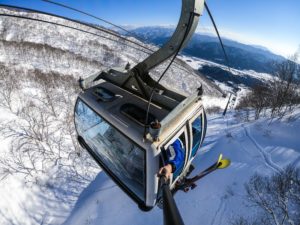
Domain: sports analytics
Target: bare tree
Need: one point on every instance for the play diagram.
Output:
(9, 85)
(281, 95)
(43, 138)
(258, 99)
(277, 198)
(284, 87)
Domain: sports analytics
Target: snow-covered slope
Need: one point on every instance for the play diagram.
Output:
(31, 44)
(31, 55)
(232, 80)
(252, 148)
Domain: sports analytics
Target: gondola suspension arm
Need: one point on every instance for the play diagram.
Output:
(190, 13)
(137, 80)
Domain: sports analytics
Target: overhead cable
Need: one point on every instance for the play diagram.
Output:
(91, 15)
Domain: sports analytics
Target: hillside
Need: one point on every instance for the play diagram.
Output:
(50, 48)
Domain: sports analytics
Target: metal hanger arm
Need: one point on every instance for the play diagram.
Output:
(190, 13)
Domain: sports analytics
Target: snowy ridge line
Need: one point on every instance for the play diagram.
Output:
(266, 156)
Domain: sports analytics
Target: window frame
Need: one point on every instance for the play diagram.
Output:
(201, 114)
(95, 156)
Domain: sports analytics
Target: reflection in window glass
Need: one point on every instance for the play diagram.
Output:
(103, 94)
(197, 130)
(120, 155)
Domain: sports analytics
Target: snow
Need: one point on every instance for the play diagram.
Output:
(197, 63)
(23, 205)
(209, 102)
(253, 147)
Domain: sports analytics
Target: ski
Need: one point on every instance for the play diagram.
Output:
(189, 183)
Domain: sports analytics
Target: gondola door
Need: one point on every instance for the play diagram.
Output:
(181, 138)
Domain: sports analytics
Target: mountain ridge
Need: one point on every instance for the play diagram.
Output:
(241, 56)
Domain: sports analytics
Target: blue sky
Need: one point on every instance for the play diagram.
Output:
(274, 24)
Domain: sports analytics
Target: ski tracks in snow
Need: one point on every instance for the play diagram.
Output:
(218, 217)
(266, 156)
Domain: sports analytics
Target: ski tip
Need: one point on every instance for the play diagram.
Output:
(220, 158)
(224, 163)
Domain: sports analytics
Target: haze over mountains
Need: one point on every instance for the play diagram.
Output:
(241, 56)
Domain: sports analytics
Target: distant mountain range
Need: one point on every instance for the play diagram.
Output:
(241, 56)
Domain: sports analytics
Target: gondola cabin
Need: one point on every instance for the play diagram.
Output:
(127, 121)
(110, 125)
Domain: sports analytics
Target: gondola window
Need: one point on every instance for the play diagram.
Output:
(119, 154)
(197, 132)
